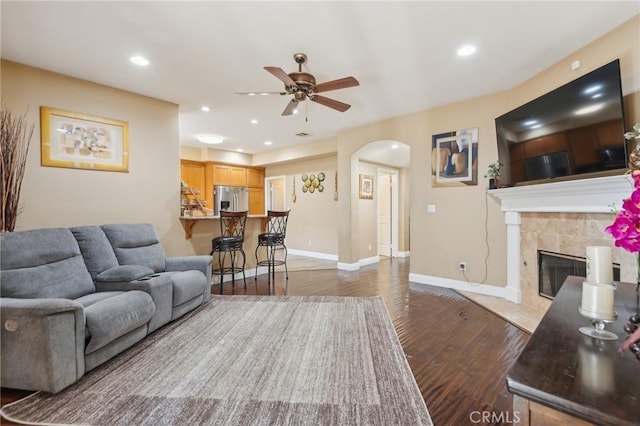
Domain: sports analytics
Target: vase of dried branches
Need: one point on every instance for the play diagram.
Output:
(15, 137)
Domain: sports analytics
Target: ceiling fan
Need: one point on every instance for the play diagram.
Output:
(302, 86)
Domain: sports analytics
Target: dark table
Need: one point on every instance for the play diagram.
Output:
(561, 371)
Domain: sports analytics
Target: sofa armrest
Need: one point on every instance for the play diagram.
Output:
(158, 286)
(188, 263)
(42, 343)
(200, 263)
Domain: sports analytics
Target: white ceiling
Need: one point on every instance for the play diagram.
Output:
(402, 52)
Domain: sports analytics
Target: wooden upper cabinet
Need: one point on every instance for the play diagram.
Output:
(193, 174)
(229, 175)
(255, 178)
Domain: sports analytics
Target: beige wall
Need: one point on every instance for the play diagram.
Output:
(67, 197)
(313, 221)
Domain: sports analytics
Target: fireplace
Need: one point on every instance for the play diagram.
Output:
(554, 268)
(559, 217)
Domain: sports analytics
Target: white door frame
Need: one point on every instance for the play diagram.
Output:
(395, 222)
(267, 192)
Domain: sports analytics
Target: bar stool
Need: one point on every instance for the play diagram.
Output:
(232, 225)
(273, 240)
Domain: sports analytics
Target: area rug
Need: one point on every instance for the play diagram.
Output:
(249, 360)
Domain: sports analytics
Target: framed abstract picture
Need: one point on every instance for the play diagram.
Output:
(366, 187)
(454, 158)
(81, 141)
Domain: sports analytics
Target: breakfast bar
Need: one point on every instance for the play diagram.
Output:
(565, 377)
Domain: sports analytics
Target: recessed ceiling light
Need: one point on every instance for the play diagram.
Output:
(394, 146)
(466, 50)
(530, 122)
(268, 143)
(295, 111)
(254, 121)
(536, 126)
(139, 60)
(251, 94)
(240, 150)
(205, 108)
(211, 139)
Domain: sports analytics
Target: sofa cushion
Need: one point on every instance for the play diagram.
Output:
(115, 316)
(42, 263)
(124, 273)
(96, 297)
(95, 248)
(187, 285)
(136, 244)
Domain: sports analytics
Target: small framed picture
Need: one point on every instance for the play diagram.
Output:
(366, 187)
(81, 141)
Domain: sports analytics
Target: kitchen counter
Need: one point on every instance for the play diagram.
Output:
(190, 221)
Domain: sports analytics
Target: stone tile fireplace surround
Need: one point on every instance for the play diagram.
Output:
(562, 217)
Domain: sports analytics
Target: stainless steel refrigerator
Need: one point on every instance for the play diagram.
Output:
(230, 198)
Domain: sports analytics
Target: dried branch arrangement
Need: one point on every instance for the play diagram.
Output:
(15, 137)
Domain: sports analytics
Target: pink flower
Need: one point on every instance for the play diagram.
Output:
(626, 226)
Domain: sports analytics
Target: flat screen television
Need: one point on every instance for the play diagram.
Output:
(574, 131)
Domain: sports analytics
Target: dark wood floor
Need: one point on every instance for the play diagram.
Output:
(458, 351)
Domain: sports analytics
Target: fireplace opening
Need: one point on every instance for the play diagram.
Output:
(554, 268)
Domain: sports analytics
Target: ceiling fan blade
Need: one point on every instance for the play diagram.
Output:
(341, 83)
(281, 75)
(259, 93)
(290, 107)
(331, 103)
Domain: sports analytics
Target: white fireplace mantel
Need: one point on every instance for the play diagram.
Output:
(595, 195)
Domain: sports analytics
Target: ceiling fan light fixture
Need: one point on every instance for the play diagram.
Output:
(211, 139)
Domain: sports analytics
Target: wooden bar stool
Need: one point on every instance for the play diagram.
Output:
(230, 241)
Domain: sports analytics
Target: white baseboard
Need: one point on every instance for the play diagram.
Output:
(489, 290)
(348, 266)
(403, 254)
(369, 260)
(314, 254)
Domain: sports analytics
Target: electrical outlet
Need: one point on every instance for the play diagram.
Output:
(463, 266)
(309, 243)
(369, 247)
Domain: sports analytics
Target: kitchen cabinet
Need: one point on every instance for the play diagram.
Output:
(256, 201)
(229, 175)
(255, 178)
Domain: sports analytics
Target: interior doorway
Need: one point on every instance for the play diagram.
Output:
(387, 212)
(275, 193)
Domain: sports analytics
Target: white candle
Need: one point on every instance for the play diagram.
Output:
(599, 266)
(597, 300)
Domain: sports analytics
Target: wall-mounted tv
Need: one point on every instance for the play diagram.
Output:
(574, 131)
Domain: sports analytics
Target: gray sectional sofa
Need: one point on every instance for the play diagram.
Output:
(72, 298)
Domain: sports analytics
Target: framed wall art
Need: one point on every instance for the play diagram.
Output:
(454, 158)
(81, 141)
(366, 187)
